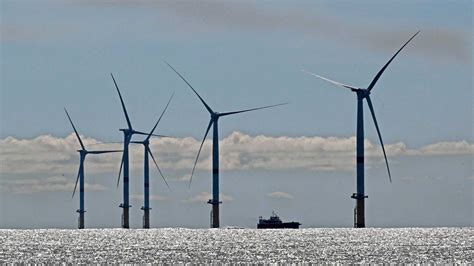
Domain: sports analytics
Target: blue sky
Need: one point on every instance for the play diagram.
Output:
(242, 55)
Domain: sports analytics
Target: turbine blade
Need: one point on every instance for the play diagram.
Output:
(120, 171)
(253, 109)
(372, 84)
(77, 179)
(156, 135)
(332, 81)
(100, 152)
(166, 107)
(123, 104)
(157, 167)
(203, 102)
(369, 102)
(199, 152)
(105, 142)
(77, 134)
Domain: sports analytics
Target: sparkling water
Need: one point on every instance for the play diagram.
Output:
(175, 245)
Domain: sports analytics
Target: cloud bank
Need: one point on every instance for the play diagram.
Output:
(49, 155)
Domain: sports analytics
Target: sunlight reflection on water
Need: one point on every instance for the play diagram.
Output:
(404, 245)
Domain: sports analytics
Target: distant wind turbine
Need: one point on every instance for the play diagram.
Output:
(364, 93)
(127, 135)
(146, 143)
(215, 149)
(80, 175)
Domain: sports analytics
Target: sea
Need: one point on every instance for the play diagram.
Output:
(231, 245)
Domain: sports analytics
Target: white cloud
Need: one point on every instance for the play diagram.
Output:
(448, 148)
(48, 154)
(280, 195)
(205, 196)
(53, 155)
(50, 184)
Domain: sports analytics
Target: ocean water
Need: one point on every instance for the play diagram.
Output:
(405, 245)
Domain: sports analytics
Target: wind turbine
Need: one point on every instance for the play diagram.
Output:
(80, 175)
(364, 93)
(146, 143)
(215, 150)
(127, 135)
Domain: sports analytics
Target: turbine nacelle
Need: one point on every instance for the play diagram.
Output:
(364, 93)
(127, 131)
(215, 116)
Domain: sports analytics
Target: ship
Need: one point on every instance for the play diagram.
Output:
(275, 223)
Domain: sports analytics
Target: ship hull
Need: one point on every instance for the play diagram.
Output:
(290, 225)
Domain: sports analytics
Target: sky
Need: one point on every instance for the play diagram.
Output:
(297, 159)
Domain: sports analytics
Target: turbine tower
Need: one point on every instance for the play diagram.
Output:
(80, 175)
(215, 150)
(146, 143)
(127, 135)
(364, 93)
